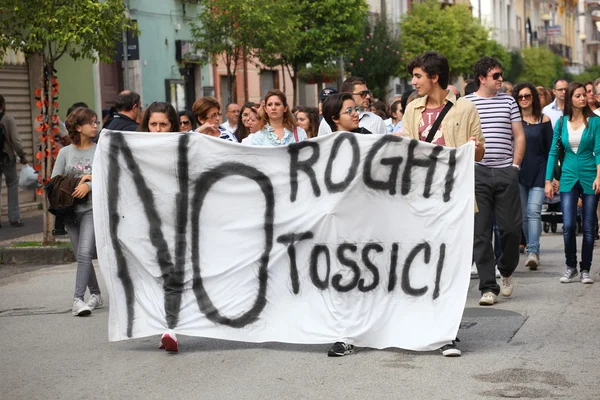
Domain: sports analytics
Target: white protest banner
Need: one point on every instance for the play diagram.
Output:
(365, 239)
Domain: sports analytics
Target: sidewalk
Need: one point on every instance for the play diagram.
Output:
(32, 231)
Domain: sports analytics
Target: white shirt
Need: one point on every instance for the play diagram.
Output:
(597, 111)
(575, 136)
(553, 112)
(371, 122)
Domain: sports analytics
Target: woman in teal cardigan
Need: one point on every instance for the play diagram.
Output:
(579, 133)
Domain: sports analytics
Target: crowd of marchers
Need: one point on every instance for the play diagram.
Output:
(533, 146)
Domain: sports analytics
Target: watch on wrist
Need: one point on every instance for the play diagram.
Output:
(517, 166)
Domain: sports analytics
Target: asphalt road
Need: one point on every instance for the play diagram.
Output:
(540, 343)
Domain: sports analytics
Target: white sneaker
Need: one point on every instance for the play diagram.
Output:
(498, 275)
(80, 309)
(506, 286)
(585, 277)
(533, 261)
(474, 273)
(488, 299)
(95, 301)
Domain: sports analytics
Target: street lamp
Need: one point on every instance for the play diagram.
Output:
(583, 37)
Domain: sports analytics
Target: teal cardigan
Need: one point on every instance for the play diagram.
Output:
(580, 166)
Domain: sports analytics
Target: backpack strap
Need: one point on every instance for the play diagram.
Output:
(438, 121)
(296, 134)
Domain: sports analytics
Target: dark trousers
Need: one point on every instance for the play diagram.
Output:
(497, 194)
(568, 204)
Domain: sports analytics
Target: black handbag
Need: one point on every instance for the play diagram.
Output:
(560, 157)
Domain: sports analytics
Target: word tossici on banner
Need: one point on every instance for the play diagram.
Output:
(361, 238)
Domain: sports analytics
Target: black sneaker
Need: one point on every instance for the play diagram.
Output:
(340, 349)
(450, 350)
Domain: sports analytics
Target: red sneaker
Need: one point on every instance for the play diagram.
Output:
(169, 342)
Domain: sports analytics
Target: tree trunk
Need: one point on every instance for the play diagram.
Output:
(295, 84)
(46, 145)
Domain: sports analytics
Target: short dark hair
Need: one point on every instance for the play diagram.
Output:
(558, 80)
(76, 105)
(471, 86)
(349, 83)
(404, 98)
(395, 105)
(78, 117)
(568, 111)
(432, 63)
(483, 66)
(332, 107)
(160, 107)
(2, 101)
(535, 98)
(126, 100)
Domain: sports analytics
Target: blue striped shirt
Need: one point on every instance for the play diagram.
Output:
(497, 115)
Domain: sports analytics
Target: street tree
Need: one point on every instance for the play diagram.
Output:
(328, 30)
(234, 31)
(452, 31)
(51, 29)
(541, 66)
(377, 58)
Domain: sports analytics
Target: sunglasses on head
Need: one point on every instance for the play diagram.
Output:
(524, 96)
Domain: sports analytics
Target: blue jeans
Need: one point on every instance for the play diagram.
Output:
(83, 240)
(531, 208)
(568, 204)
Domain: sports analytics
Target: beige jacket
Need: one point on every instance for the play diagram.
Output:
(12, 142)
(460, 124)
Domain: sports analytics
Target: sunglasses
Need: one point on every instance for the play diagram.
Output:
(185, 122)
(351, 110)
(496, 75)
(524, 96)
(363, 93)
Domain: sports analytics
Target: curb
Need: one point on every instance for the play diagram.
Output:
(36, 255)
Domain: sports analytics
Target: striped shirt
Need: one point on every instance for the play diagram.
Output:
(497, 115)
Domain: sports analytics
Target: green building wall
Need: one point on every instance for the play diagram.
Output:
(76, 80)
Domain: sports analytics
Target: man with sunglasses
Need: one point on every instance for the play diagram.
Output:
(497, 181)
(362, 97)
(555, 109)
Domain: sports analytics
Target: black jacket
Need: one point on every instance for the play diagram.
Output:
(122, 122)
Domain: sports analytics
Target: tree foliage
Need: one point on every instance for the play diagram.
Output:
(233, 31)
(52, 28)
(377, 58)
(590, 74)
(452, 31)
(80, 28)
(541, 66)
(328, 29)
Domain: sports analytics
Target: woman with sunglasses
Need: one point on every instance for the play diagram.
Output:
(186, 121)
(159, 117)
(280, 127)
(75, 161)
(578, 131)
(341, 113)
(538, 137)
(207, 114)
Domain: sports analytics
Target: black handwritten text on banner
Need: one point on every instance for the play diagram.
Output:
(365, 239)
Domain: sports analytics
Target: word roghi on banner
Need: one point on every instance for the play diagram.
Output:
(365, 239)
